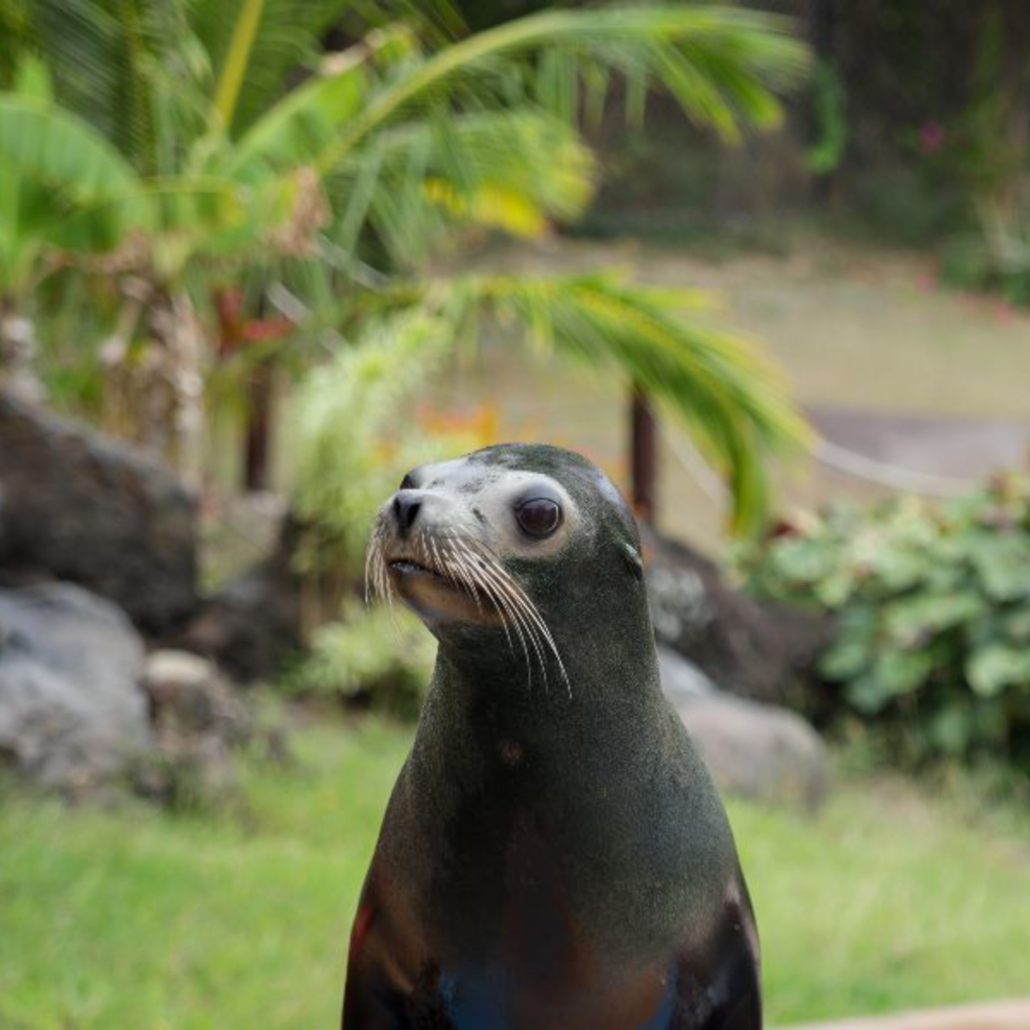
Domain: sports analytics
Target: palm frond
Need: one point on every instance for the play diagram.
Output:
(732, 400)
(45, 143)
(254, 45)
(101, 54)
(514, 170)
(298, 126)
(721, 63)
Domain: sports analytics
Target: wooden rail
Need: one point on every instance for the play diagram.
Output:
(1002, 1015)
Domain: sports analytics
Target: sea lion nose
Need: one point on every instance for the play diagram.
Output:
(406, 506)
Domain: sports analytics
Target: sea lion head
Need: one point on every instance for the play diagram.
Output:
(527, 540)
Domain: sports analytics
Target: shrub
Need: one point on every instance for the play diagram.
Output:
(368, 657)
(932, 603)
(357, 431)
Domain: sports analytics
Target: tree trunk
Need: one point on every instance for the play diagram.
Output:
(17, 356)
(258, 444)
(186, 343)
(644, 457)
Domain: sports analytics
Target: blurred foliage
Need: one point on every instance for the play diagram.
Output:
(989, 146)
(829, 115)
(358, 429)
(357, 432)
(370, 657)
(940, 122)
(932, 603)
(994, 259)
(244, 160)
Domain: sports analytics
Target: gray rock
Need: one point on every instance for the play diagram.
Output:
(77, 506)
(757, 751)
(72, 715)
(189, 699)
(255, 621)
(199, 719)
(681, 678)
(754, 649)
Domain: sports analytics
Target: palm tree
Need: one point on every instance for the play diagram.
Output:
(226, 144)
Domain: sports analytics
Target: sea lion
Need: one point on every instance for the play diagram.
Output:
(554, 854)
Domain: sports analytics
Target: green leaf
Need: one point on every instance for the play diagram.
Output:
(294, 131)
(846, 659)
(994, 667)
(255, 45)
(951, 728)
(902, 672)
(42, 142)
(1003, 563)
(912, 618)
(721, 64)
(33, 81)
(1017, 625)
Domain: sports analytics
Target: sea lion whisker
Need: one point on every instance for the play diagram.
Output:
(385, 587)
(489, 566)
(526, 614)
(370, 557)
(462, 567)
(500, 606)
(488, 569)
(504, 607)
(520, 598)
(461, 550)
(371, 569)
(439, 564)
(376, 587)
(533, 612)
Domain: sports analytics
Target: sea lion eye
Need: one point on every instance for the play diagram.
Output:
(539, 516)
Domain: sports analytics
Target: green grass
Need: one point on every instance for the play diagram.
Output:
(130, 918)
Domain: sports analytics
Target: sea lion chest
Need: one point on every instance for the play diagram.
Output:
(553, 883)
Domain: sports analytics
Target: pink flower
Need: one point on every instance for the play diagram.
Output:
(931, 137)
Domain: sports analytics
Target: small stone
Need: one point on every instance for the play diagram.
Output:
(190, 698)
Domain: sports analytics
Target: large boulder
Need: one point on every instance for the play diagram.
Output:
(757, 751)
(254, 622)
(754, 650)
(72, 715)
(77, 506)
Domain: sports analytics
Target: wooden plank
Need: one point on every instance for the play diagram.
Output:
(1003, 1015)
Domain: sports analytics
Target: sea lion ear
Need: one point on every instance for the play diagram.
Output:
(633, 559)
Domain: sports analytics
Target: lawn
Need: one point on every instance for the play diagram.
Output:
(130, 918)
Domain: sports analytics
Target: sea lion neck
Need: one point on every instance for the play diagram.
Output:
(610, 677)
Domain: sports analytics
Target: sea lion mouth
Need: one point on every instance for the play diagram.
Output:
(457, 580)
(410, 567)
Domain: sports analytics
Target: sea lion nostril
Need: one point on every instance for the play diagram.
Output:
(406, 508)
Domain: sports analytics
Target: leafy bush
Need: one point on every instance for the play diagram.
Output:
(996, 259)
(933, 616)
(369, 656)
(357, 432)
